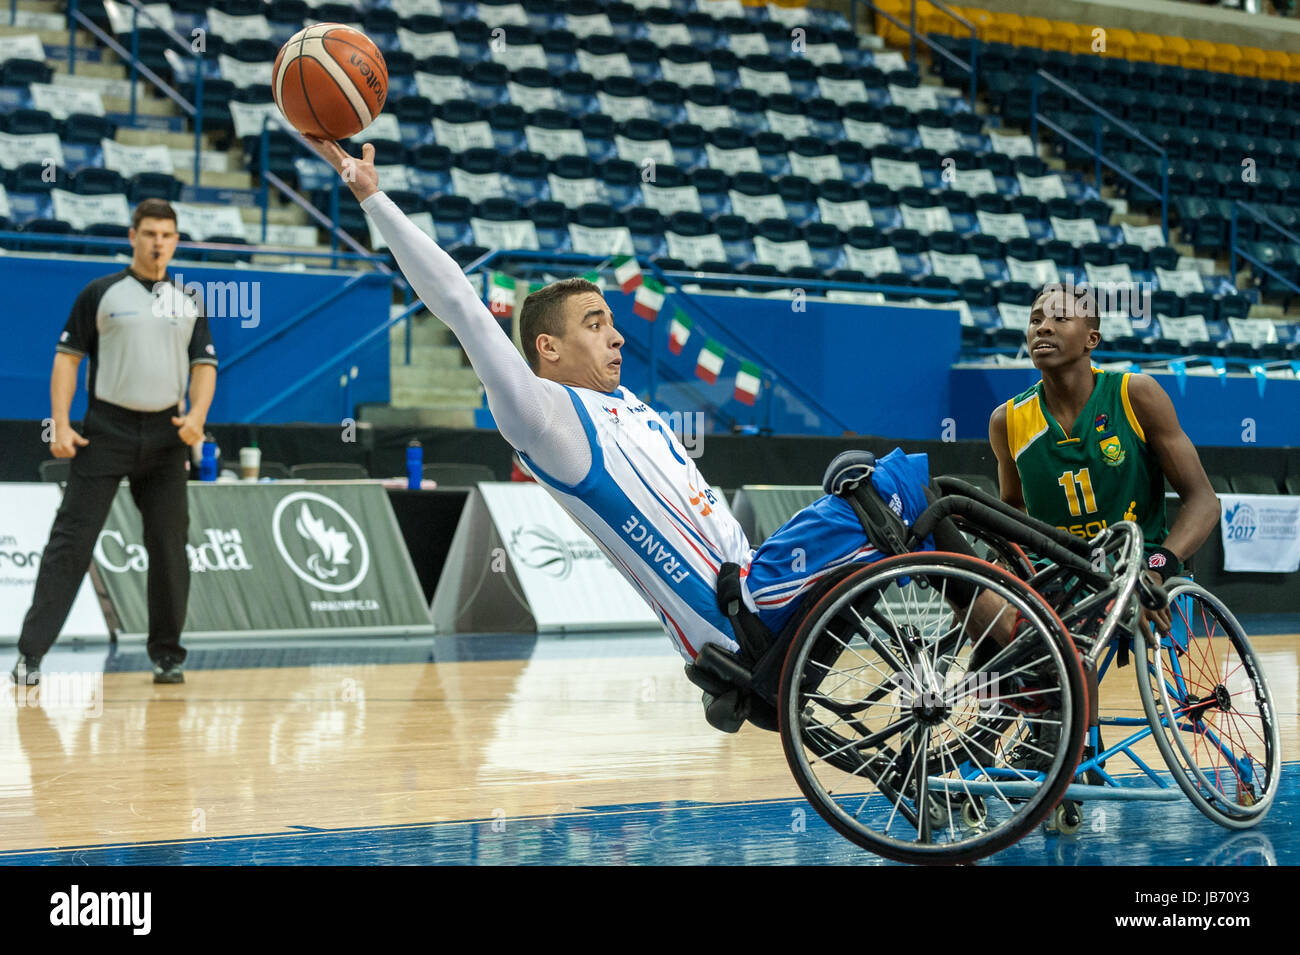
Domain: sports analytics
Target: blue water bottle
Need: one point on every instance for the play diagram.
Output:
(208, 464)
(414, 465)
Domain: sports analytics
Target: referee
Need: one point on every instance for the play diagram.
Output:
(145, 339)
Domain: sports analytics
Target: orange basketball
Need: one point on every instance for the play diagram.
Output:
(330, 81)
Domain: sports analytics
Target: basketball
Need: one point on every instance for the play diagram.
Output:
(329, 81)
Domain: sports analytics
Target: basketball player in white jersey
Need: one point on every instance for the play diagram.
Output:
(608, 458)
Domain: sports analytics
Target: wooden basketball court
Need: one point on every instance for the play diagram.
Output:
(477, 749)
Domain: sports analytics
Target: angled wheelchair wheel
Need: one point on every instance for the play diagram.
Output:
(911, 729)
(1209, 705)
(995, 549)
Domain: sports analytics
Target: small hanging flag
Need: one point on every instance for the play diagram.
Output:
(1261, 377)
(748, 380)
(627, 273)
(679, 332)
(593, 277)
(1221, 369)
(1179, 368)
(710, 361)
(501, 295)
(649, 299)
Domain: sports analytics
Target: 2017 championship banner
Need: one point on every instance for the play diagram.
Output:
(282, 559)
(1261, 532)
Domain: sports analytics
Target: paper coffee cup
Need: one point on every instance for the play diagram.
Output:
(250, 462)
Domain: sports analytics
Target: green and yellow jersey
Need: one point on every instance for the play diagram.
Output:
(1102, 473)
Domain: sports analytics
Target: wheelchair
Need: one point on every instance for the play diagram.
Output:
(937, 706)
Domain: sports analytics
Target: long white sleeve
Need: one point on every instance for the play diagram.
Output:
(534, 415)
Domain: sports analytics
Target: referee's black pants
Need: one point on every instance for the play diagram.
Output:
(145, 448)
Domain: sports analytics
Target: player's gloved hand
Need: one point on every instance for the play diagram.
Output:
(66, 441)
(1163, 618)
(359, 174)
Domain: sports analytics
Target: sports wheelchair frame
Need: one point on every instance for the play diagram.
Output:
(936, 706)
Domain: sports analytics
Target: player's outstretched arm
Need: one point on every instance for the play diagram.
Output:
(1008, 477)
(1180, 462)
(529, 411)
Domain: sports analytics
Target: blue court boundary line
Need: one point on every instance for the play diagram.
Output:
(586, 812)
(591, 812)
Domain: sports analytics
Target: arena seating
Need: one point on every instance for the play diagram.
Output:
(697, 133)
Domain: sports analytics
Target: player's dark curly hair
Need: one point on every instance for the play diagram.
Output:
(543, 313)
(1083, 297)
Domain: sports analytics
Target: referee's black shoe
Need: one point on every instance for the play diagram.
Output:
(27, 671)
(168, 671)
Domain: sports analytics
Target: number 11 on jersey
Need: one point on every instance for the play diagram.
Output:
(1067, 481)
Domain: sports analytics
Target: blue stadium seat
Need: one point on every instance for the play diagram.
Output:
(713, 186)
(984, 246)
(30, 122)
(451, 215)
(737, 238)
(98, 182)
(35, 177)
(706, 32)
(838, 190)
(551, 220)
(622, 182)
(508, 124)
(472, 39)
(665, 102)
(878, 195)
(948, 243)
(1059, 251)
(86, 128)
(433, 163)
(725, 65)
(279, 11)
(824, 117)
(866, 237)
(908, 241)
(1095, 253)
(598, 130)
(773, 153)
(576, 93)
(1024, 250)
(1016, 293)
(802, 73)
(480, 161)
(853, 157)
(689, 224)
(625, 19)
(747, 106)
(800, 198)
(729, 138)
(413, 109)
(643, 57)
(21, 72)
(826, 242)
(44, 227)
(548, 14)
(688, 142)
(848, 276)
(486, 83)
(647, 228)
(525, 179)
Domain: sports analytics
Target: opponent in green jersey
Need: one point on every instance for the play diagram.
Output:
(1083, 449)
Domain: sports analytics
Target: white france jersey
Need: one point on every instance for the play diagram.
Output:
(647, 507)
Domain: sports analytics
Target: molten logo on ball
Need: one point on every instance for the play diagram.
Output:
(330, 81)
